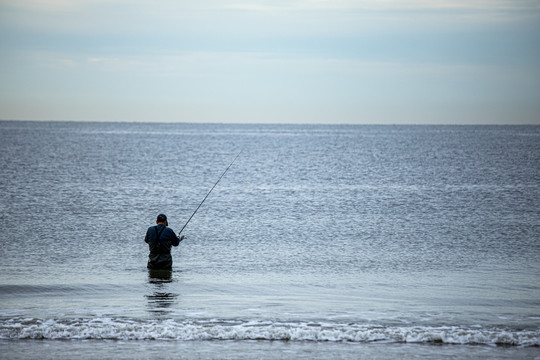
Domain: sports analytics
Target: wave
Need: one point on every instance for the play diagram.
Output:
(41, 290)
(137, 329)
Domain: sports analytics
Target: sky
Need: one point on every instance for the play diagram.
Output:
(271, 61)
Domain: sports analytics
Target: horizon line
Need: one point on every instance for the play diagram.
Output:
(266, 123)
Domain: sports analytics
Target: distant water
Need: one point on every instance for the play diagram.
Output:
(320, 241)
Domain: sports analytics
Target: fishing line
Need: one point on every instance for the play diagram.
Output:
(209, 193)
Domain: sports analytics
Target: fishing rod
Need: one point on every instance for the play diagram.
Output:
(209, 193)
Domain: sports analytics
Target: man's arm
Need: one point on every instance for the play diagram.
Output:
(176, 239)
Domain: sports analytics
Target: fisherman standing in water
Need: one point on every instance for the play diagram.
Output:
(160, 238)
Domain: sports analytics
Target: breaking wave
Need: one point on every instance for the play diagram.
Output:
(136, 329)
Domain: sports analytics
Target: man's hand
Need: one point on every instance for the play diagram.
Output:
(181, 238)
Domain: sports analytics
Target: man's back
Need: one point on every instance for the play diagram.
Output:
(160, 238)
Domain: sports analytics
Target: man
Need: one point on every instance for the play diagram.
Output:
(159, 239)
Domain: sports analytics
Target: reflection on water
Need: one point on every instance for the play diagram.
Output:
(161, 300)
(159, 276)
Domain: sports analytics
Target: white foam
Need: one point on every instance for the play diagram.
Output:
(136, 329)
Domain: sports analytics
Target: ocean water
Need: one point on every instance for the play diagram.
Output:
(319, 241)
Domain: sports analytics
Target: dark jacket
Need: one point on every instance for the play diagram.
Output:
(160, 251)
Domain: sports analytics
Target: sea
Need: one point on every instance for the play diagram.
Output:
(319, 242)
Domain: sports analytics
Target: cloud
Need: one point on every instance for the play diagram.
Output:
(299, 60)
(273, 5)
(380, 5)
(48, 6)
